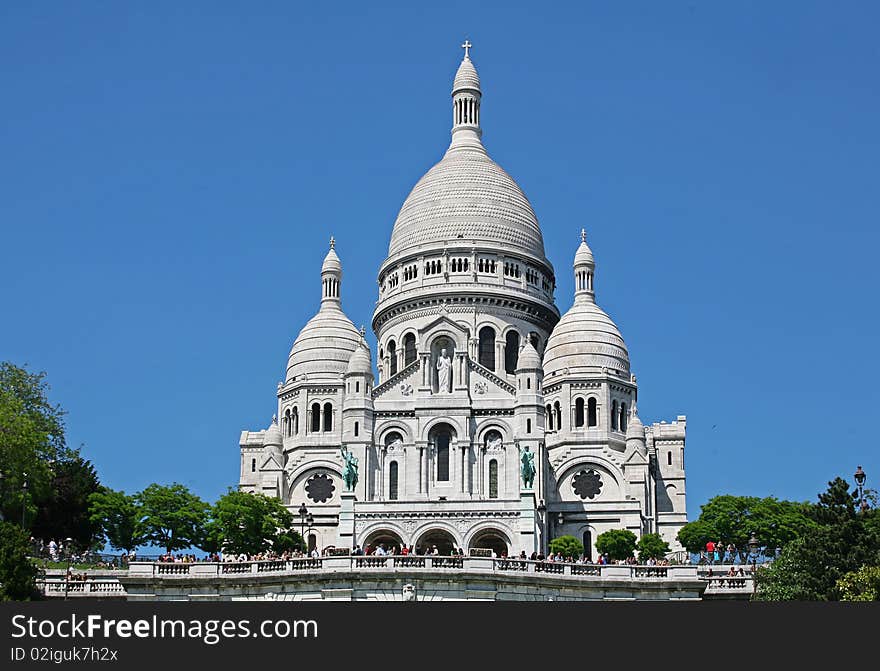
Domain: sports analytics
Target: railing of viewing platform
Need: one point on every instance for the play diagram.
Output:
(417, 562)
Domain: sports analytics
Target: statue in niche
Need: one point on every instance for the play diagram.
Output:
(528, 468)
(444, 372)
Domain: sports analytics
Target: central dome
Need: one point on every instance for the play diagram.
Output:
(466, 195)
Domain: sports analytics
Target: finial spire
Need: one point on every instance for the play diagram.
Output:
(466, 46)
(363, 331)
(332, 242)
(583, 235)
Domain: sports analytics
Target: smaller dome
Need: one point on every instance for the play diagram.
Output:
(324, 346)
(360, 363)
(331, 261)
(528, 358)
(272, 437)
(585, 341)
(466, 77)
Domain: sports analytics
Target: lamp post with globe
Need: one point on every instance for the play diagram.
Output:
(860, 477)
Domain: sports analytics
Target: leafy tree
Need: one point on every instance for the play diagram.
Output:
(652, 546)
(171, 516)
(843, 541)
(861, 585)
(616, 543)
(251, 523)
(116, 515)
(732, 519)
(65, 512)
(31, 438)
(17, 573)
(567, 546)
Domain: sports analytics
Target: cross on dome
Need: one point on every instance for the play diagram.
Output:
(332, 242)
(467, 45)
(583, 235)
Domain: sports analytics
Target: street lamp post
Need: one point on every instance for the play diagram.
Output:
(68, 546)
(860, 482)
(303, 511)
(24, 488)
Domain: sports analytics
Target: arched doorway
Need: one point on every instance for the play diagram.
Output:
(588, 545)
(491, 539)
(389, 540)
(442, 539)
(440, 438)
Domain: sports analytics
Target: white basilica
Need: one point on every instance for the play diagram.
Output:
(475, 368)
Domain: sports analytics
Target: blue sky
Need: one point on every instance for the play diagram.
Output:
(170, 174)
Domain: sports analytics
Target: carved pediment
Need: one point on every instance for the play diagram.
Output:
(485, 383)
(270, 463)
(441, 322)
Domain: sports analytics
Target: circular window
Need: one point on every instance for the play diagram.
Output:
(587, 484)
(320, 487)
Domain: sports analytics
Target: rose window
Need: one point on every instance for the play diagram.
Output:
(587, 484)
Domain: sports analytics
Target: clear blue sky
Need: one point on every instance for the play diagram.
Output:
(170, 174)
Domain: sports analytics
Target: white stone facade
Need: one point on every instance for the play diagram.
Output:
(467, 273)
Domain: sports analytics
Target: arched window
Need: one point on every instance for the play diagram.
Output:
(357, 386)
(623, 417)
(549, 417)
(316, 417)
(614, 412)
(288, 428)
(356, 427)
(557, 409)
(528, 383)
(579, 412)
(295, 422)
(487, 347)
(588, 545)
(441, 442)
(536, 341)
(392, 358)
(493, 479)
(253, 465)
(592, 415)
(669, 458)
(328, 417)
(409, 349)
(392, 481)
(511, 351)
(528, 426)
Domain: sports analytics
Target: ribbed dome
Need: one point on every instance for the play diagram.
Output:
(584, 255)
(466, 77)
(324, 346)
(360, 363)
(528, 358)
(467, 195)
(331, 262)
(585, 341)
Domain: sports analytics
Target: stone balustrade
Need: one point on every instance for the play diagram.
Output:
(58, 587)
(392, 562)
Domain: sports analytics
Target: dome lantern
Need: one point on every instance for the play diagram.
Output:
(584, 270)
(466, 96)
(331, 275)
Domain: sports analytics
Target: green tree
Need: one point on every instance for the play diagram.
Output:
(31, 438)
(251, 523)
(567, 546)
(616, 543)
(172, 516)
(17, 572)
(116, 515)
(65, 511)
(733, 519)
(861, 585)
(652, 546)
(843, 541)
